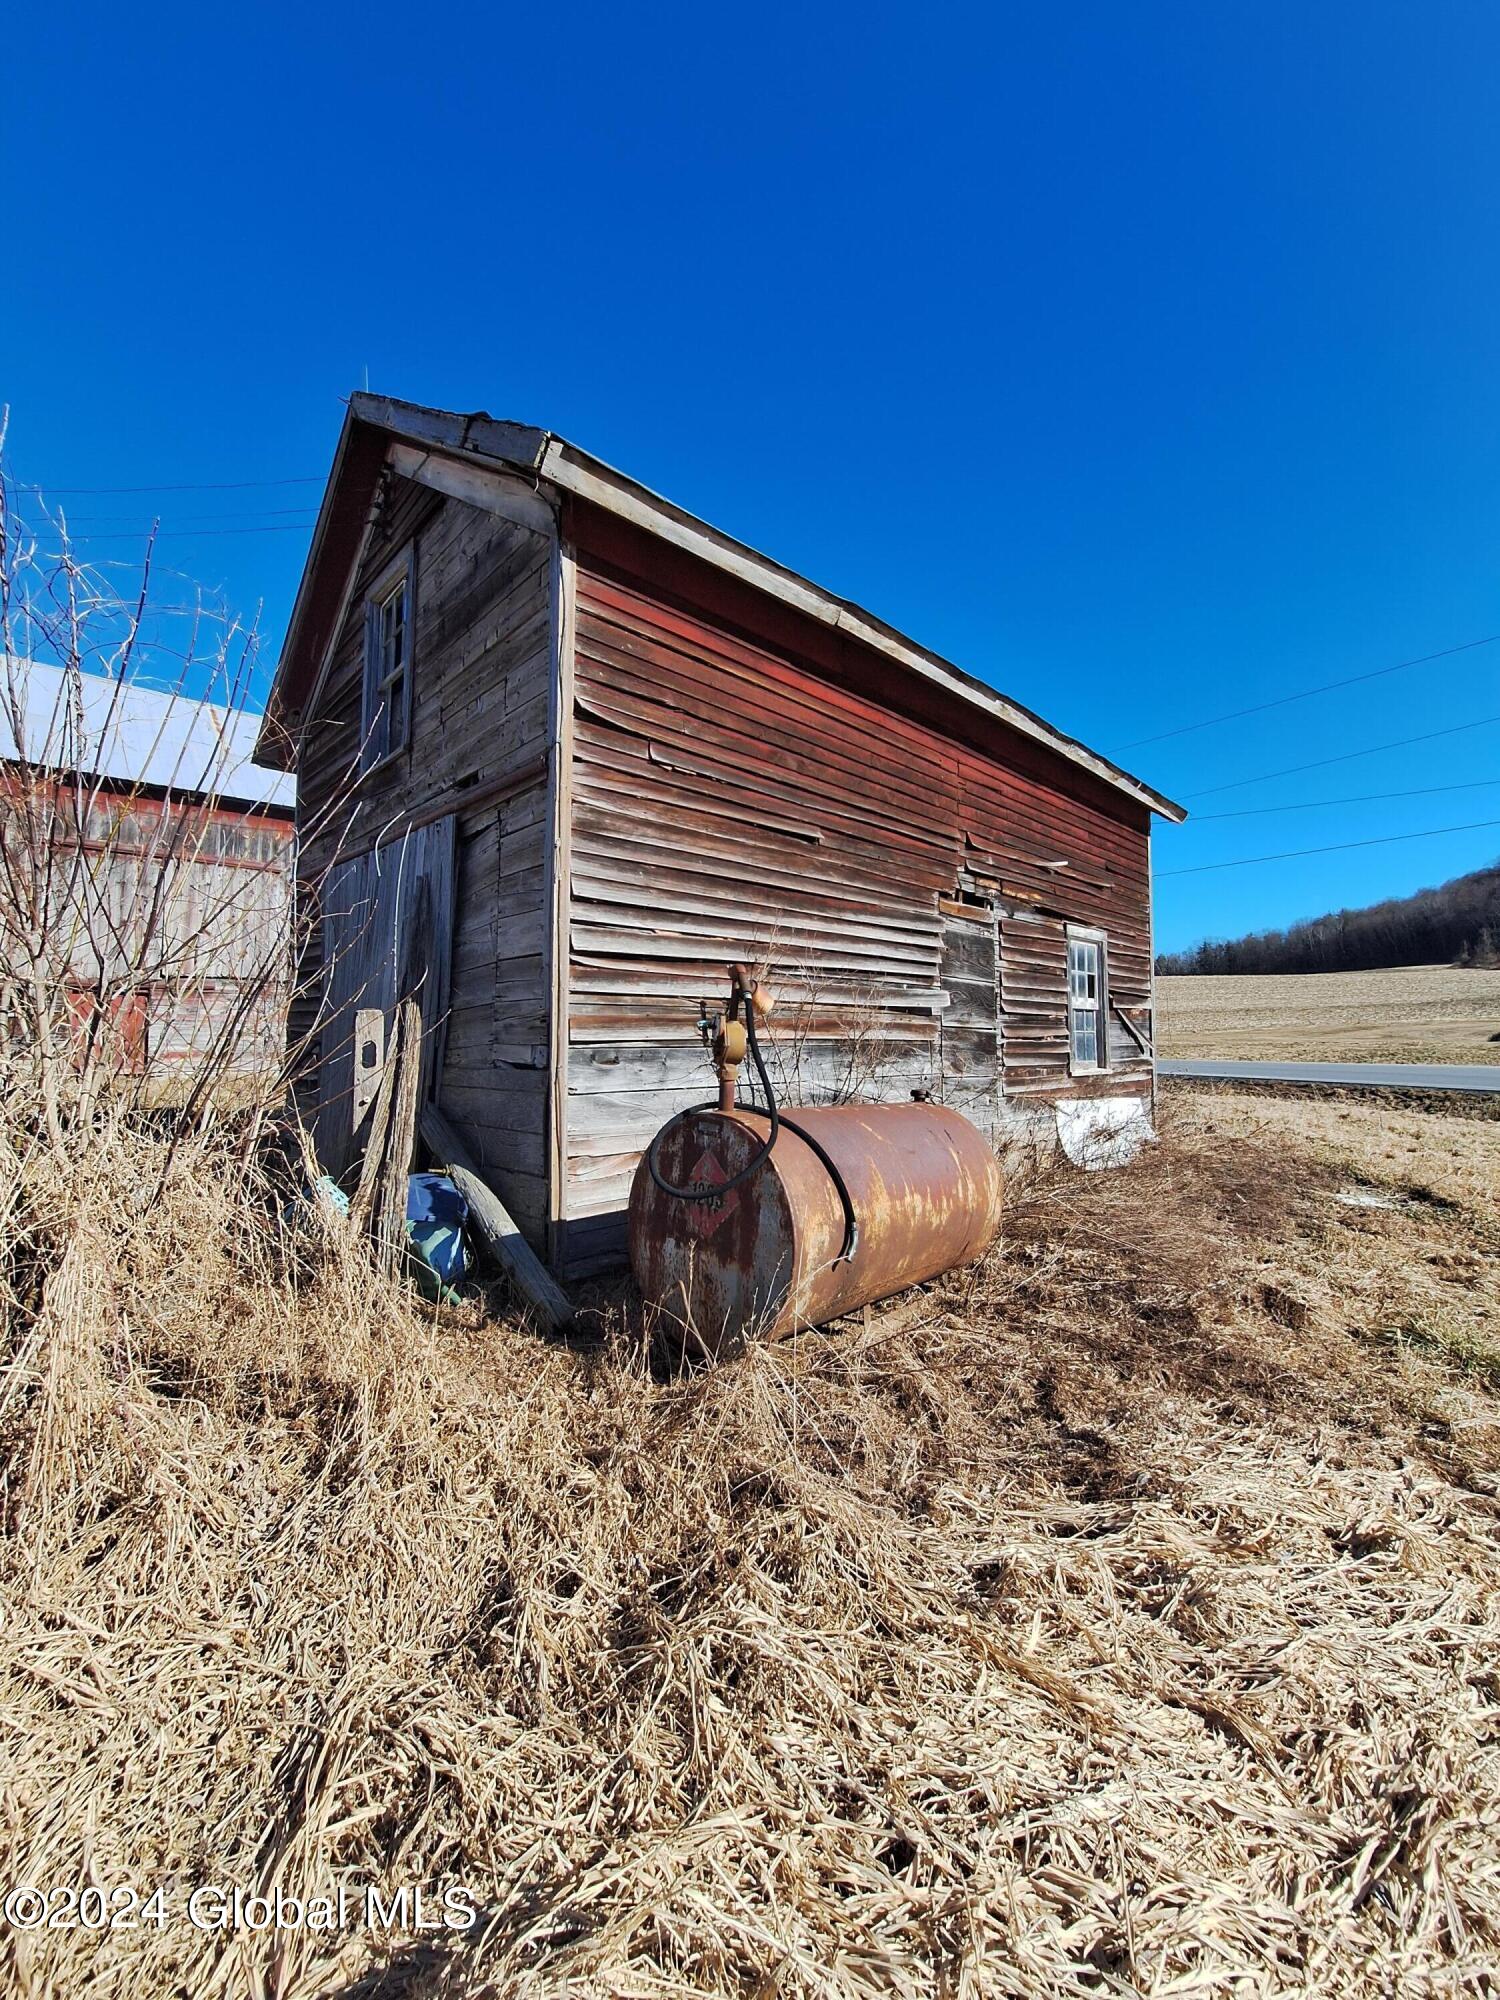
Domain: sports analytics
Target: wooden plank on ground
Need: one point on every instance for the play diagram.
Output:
(496, 1226)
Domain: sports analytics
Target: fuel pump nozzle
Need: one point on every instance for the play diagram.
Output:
(732, 1030)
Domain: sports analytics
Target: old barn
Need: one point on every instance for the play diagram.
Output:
(563, 750)
(147, 870)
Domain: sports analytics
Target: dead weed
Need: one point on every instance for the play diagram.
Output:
(1110, 1618)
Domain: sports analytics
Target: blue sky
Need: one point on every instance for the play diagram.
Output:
(1144, 361)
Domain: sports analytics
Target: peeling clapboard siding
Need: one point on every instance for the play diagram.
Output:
(482, 656)
(729, 801)
(644, 776)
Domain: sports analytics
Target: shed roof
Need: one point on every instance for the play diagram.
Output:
(549, 461)
(138, 735)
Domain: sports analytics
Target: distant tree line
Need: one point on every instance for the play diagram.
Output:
(1457, 923)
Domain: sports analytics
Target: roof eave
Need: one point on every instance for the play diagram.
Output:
(544, 457)
(274, 744)
(588, 478)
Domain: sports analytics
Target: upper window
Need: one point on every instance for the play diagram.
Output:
(1088, 1046)
(387, 684)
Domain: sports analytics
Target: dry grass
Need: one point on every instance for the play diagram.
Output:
(1119, 1617)
(1415, 1255)
(1419, 1013)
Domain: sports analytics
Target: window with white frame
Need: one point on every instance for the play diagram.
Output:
(387, 682)
(1088, 1043)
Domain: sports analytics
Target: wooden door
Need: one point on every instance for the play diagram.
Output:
(387, 937)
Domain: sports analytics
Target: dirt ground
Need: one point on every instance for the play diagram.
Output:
(1412, 1243)
(1419, 1013)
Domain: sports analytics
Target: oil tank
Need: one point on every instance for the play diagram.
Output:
(768, 1256)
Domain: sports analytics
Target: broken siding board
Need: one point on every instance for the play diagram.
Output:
(870, 820)
(1033, 806)
(782, 912)
(617, 771)
(677, 885)
(703, 735)
(611, 826)
(606, 939)
(816, 804)
(622, 764)
(609, 852)
(668, 933)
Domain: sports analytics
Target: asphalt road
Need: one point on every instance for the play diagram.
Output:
(1372, 1076)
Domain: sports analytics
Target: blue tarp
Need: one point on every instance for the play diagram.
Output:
(436, 1217)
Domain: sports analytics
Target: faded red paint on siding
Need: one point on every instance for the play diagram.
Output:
(171, 880)
(736, 799)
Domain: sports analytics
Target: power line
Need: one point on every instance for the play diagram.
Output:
(1346, 757)
(181, 534)
(1306, 694)
(1356, 799)
(192, 486)
(1339, 847)
(234, 514)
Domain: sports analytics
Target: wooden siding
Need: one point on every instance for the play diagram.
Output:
(389, 918)
(731, 801)
(482, 670)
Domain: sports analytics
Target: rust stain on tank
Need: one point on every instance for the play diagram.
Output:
(766, 1258)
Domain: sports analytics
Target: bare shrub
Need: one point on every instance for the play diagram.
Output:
(127, 909)
(834, 1038)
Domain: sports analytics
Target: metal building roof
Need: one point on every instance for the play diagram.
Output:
(138, 735)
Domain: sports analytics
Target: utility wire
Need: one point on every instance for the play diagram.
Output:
(234, 514)
(193, 486)
(1345, 757)
(1339, 847)
(166, 534)
(1306, 694)
(1356, 799)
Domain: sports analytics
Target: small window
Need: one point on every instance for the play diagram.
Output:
(387, 688)
(1088, 1047)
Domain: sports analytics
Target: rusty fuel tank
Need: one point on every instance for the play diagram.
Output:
(920, 1183)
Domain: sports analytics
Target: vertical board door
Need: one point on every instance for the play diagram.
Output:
(387, 937)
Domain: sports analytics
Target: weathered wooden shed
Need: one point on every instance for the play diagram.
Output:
(563, 750)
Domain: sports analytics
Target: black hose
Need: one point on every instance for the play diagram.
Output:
(720, 1188)
(841, 1186)
(773, 1112)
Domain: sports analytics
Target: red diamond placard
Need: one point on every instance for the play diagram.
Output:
(704, 1217)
